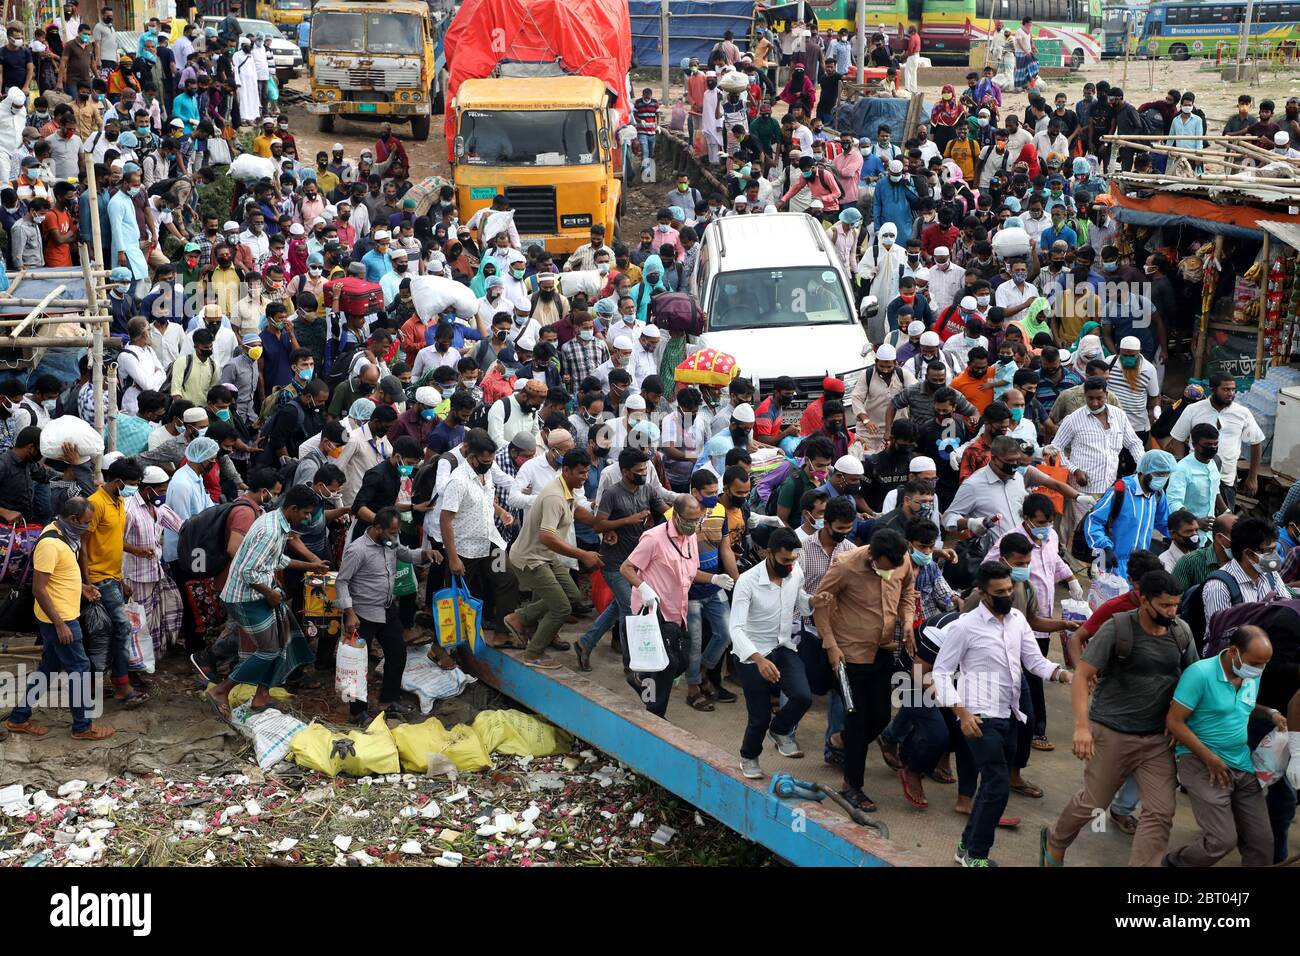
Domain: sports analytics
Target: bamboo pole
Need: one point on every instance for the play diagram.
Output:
(75, 318)
(47, 341)
(71, 303)
(97, 358)
(92, 196)
(1263, 304)
(60, 274)
(39, 307)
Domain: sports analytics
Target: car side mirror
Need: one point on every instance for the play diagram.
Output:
(870, 306)
(459, 146)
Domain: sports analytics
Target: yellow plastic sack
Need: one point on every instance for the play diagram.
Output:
(519, 734)
(242, 693)
(461, 745)
(357, 753)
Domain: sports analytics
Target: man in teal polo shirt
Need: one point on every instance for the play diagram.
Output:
(1214, 701)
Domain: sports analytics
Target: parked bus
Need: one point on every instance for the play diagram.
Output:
(949, 28)
(890, 17)
(1120, 20)
(1183, 30)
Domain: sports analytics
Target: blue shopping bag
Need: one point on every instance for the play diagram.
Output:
(459, 616)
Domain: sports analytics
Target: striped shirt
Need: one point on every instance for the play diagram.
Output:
(815, 560)
(646, 112)
(1217, 597)
(144, 528)
(1087, 444)
(260, 555)
(1134, 400)
(505, 460)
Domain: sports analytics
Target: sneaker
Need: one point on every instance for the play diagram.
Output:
(978, 862)
(961, 856)
(750, 769)
(722, 695)
(786, 745)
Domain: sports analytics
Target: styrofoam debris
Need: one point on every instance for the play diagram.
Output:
(663, 835)
(71, 787)
(343, 842)
(412, 848)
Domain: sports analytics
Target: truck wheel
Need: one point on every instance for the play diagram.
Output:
(420, 128)
(1076, 60)
(327, 123)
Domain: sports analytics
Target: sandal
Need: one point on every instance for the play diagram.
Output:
(699, 702)
(1044, 857)
(917, 801)
(1127, 823)
(94, 732)
(858, 799)
(1027, 789)
(1006, 823)
(889, 753)
(27, 727)
(441, 658)
(1042, 743)
(542, 663)
(518, 635)
(939, 775)
(132, 700)
(222, 707)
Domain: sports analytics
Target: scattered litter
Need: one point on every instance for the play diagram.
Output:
(412, 848)
(343, 842)
(283, 846)
(663, 835)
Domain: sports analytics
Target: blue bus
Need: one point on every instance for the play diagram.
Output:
(1119, 20)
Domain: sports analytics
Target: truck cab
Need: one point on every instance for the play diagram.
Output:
(285, 14)
(374, 61)
(549, 145)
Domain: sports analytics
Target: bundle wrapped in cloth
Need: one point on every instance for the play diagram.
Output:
(707, 367)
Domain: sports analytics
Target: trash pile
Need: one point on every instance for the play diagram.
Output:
(575, 808)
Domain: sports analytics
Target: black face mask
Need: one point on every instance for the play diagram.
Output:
(980, 374)
(1206, 454)
(639, 479)
(1160, 620)
(482, 469)
(1000, 605)
(838, 536)
(780, 570)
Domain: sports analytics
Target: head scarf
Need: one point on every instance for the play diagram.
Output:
(948, 112)
(1029, 156)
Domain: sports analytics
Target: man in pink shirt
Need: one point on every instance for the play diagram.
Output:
(661, 569)
(696, 83)
(847, 167)
(813, 182)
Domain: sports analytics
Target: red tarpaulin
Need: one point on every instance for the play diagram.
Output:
(589, 37)
(1184, 207)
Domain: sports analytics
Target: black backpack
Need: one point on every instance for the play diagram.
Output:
(1154, 122)
(1191, 607)
(201, 550)
(479, 417)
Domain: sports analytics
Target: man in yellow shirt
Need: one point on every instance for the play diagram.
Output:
(100, 556)
(57, 585)
(325, 177)
(262, 143)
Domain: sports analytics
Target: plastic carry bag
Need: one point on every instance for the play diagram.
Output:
(271, 731)
(140, 651)
(350, 665)
(404, 583)
(645, 645)
(1271, 757)
(250, 168)
(68, 428)
(461, 745)
(1075, 611)
(1105, 585)
(459, 616)
(601, 594)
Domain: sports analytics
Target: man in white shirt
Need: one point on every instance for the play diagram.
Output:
(1015, 296)
(539, 471)
(1237, 427)
(763, 605)
(138, 368)
(517, 413)
(946, 280)
(645, 355)
(992, 646)
(255, 239)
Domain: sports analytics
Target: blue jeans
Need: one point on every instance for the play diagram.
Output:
(647, 141)
(114, 601)
(758, 699)
(59, 658)
(834, 722)
(1125, 800)
(613, 615)
(719, 614)
(993, 754)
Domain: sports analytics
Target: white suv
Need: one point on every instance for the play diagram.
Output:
(778, 299)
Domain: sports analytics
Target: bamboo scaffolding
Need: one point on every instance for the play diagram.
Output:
(38, 309)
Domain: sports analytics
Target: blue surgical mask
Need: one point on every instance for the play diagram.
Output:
(1020, 574)
(1041, 533)
(428, 414)
(1017, 414)
(1110, 266)
(709, 501)
(405, 470)
(306, 373)
(967, 340)
(1246, 671)
(586, 335)
(982, 301)
(129, 491)
(1021, 469)
(1158, 484)
(920, 559)
(818, 523)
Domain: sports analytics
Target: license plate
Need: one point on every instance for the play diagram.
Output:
(365, 107)
(482, 192)
(575, 221)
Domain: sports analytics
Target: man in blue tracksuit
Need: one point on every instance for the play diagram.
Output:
(1143, 509)
(894, 201)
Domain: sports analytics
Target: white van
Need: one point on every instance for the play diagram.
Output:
(779, 300)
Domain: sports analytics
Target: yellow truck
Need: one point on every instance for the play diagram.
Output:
(375, 61)
(549, 145)
(285, 14)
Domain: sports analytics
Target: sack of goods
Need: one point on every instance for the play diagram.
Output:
(68, 428)
(733, 81)
(1010, 243)
(434, 295)
(581, 280)
(249, 168)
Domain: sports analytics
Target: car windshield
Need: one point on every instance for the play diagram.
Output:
(338, 32)
(541, 138)
(293, 4)
(768, 298)
(386, 33)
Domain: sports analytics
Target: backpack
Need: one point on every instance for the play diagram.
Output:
(1182, 635)
(1277, 617)
(201, 549)
(1080, 550)
(479, 417)
(185, 375)
(678, 312)
(971, 552)
(1153, 122)
(342, 362)
(1192, 609)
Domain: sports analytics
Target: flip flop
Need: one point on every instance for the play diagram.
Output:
(207, 678)
(701, 703)
(215, 704)
(1027, 789)
(1042, 743)
(132, 700)
(920, 803)
(1006, 823)
(1044, 857)
(1127, 824)
(542, 663)
(939, 775)
(518, 640)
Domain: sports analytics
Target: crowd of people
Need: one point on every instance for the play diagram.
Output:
(284, 405)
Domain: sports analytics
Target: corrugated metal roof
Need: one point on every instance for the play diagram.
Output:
(1287, 232)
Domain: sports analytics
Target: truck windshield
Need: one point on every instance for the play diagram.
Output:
(387, 33)
(518, 138)
(337, 32)
(293, 4)
(767, 298)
